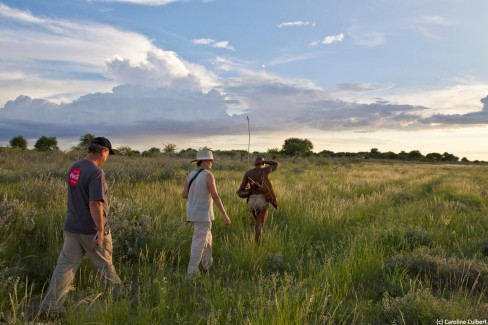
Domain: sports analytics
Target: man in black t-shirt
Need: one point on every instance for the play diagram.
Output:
(86, 228)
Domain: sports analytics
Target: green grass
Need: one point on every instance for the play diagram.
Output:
(352, 242)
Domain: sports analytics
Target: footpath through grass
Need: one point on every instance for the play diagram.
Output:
(352, 242)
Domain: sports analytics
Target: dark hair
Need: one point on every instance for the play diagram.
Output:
(199, 163)
(259, 161)
(95, 148)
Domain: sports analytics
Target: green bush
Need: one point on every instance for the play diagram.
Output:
(443, 274)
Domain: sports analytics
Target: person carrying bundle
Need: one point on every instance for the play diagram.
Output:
(257, 188)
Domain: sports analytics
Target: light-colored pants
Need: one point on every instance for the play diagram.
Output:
(201, 247)
(69, 260)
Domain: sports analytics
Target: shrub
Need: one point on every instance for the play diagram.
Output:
(402, 197)
(450, 274)
(418, 237)
(484, 247)
(129, 228)
(15, 220)
(421, 307)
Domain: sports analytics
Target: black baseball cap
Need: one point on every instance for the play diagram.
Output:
(103, 142)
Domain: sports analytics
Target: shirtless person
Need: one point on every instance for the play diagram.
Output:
(257, 203)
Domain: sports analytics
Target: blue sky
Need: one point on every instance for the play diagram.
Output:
(348, 75)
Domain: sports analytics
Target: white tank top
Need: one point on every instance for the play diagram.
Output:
(199, 206)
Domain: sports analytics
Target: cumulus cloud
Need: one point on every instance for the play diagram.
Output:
(44, 55)
(127, 110)
(213, 43)
(169, 110)
(157, 92)
(473, 118)
(274, 104)
(98, 57)
(298, 23)
(162, 69)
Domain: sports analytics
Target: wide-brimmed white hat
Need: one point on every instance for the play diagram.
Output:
(203, 155)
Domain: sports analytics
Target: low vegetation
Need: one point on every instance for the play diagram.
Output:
(354, 241)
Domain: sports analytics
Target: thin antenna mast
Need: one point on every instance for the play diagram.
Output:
(249, 141)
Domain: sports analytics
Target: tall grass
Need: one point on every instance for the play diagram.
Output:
(352, 242)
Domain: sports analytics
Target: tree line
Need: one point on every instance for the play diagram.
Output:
(292, 147)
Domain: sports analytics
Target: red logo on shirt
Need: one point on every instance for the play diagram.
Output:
(74, 176)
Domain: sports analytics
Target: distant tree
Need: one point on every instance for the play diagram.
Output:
(241, 153)
(126, 151)
(449, 157)
(326, 153)
(434, 156)
(374, 153)
(415, 155)
(464, 159)
(297, 147)
(46, 144)
(169, 148)
(152, 152)
(18, 142)
(189, 152)
(389, 155)
(274, 153)
(402, 155)
(85, 141)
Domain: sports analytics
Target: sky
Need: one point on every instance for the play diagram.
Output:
(347, 75)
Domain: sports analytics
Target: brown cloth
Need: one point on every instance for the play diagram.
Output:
(265, 187)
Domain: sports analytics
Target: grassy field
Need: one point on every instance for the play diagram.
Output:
(351, 243)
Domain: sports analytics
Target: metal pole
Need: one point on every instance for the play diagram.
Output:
(249, 141)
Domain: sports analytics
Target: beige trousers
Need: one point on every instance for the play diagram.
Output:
(69, 260)
(201, 247)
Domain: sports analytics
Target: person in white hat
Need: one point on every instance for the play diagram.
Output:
(201, 191)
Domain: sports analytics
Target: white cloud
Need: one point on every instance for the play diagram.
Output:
(296, 24)
(361, 88)
(227, 63)
(333, 38)
(431, 26)
(461, 98)
(32, 38)
(135, 89)
(162, 69)
(19, 15)
(143, 2)
(365, 37)
(213, 43)
(436, 20)
(180, 109)
(83, 57)
(285, 59)
(329, 40)
(203, 41)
